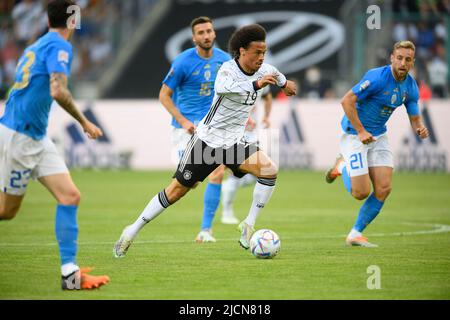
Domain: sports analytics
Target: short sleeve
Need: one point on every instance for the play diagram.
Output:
(411, 104)
(226, 57)
(368, 85)
(59, 58)
(175, 76)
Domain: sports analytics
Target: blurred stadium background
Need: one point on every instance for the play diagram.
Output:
(124, 49)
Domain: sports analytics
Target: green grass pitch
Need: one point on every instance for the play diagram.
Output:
(311, 217)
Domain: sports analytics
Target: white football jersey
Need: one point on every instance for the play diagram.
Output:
(234, 98)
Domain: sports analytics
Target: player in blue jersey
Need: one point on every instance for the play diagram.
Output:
(365, 153)
(187, 93)
(27, 152)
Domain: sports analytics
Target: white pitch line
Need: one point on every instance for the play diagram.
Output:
(437, 228)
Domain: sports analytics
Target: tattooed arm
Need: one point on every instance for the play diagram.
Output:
(62, 95)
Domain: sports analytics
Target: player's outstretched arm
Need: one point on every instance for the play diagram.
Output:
(349, 105)
(60, 92)
(165, 97)
(418, 126)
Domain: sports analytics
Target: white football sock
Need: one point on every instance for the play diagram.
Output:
(354, 234)
(154, 208)
(341, 167)
(229, 189)
(247, 180)
(261, 195)
(68, 268)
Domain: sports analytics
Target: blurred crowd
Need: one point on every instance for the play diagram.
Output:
(315, 86)
(422, 21)
(105, 27)
(102, 33)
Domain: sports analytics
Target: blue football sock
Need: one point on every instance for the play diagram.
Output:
(368, 212)
(211, 203)
(346, 180)
(66, 230)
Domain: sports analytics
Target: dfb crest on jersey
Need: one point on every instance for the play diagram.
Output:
(187, 175)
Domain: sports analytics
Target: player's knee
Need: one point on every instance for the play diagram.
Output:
(8, 212)
(360, 194)
(270, 171)
(175, 192)
(70, 198)
(216, 177)
(382, 192)
(215, 180)
(275, 170)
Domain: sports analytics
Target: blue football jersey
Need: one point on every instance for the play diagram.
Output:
(379, 94)
(191, 79)
(28, 105)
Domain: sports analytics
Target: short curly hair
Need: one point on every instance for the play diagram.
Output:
(242, 38)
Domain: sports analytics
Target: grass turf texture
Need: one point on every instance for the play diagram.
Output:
(311, 217)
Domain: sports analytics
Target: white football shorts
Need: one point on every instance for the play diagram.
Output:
(360, 157)
(22, 158)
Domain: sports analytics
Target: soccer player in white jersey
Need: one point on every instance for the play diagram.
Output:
(187, 93)
(27, 152)
(366, 156)
(218, 137)
(233, 183)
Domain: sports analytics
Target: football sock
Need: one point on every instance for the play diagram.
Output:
(247, 180)
(346, 180)
(341, 167)
(369, 210)
(261, 194)
(354, 234)
(66, 230)
(211, 201)
(229, 189)
(157, 205)
(68, 268)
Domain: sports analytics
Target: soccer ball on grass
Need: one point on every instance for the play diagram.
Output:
(265, 243)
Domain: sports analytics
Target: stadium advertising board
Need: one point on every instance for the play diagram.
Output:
(304, 134)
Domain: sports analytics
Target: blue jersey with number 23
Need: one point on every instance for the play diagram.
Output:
(28, 105)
